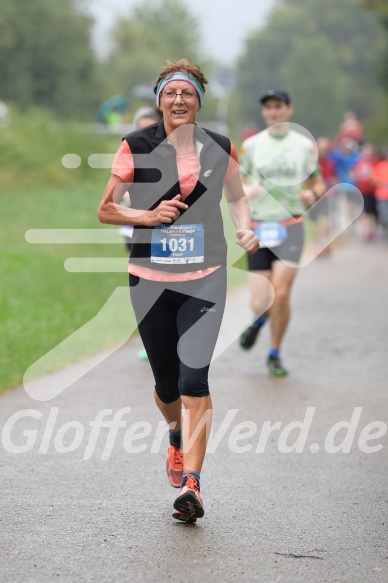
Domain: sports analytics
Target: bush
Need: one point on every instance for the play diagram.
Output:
(33, 144)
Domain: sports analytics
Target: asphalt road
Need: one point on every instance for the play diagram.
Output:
(272, 514)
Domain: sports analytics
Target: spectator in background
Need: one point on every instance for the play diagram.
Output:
(345, 156)
(146, 116)
(363, 170)
(4, 114)
(351, 128)
(248, 132)
(320, 215)
(142, 118)
(380, 178)
(114, 117)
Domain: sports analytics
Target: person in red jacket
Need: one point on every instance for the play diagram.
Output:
(363, 171)
(380, 178)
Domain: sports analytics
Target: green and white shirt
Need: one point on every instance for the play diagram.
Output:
(280, 164)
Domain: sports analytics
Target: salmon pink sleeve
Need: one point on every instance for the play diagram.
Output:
(123, 166)
(234, 164)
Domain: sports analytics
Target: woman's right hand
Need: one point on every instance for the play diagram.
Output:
(167, 211)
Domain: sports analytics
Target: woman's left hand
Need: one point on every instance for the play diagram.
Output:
(248, 240)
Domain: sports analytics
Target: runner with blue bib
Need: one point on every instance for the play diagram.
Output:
(176, 175)
(281, 180)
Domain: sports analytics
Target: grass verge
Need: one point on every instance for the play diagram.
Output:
(43, 306)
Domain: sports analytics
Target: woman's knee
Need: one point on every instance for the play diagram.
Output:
(167, 394)
(194, 383)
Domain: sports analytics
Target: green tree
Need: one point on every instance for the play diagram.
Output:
(46, 58)
(379, 125)
(357, 40)
(319, 101)
(380, 6)
(261, 65)
(340, 42)
(157, 31)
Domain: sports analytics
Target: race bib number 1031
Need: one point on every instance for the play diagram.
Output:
(177, 244)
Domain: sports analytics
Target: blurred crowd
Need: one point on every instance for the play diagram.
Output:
(347, 161)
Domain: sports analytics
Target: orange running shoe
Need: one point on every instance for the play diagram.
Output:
(189, 506)
(179, 516)
(174, 466)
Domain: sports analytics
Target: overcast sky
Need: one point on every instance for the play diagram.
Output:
(224, 24)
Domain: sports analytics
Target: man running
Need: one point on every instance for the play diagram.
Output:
(281, 180)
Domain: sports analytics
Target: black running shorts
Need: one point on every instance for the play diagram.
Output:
(290, 250)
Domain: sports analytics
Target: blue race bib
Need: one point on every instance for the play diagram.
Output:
(271, 234)
(174, 245)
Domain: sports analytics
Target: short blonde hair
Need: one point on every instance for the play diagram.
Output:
(184, 65)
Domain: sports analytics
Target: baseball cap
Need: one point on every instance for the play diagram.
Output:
(278, 94)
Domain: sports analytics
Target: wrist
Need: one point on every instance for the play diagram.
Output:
(147, 219)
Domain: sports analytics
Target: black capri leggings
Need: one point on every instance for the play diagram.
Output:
(179, 324)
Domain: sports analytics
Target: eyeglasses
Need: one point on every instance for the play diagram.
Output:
(185, 95)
